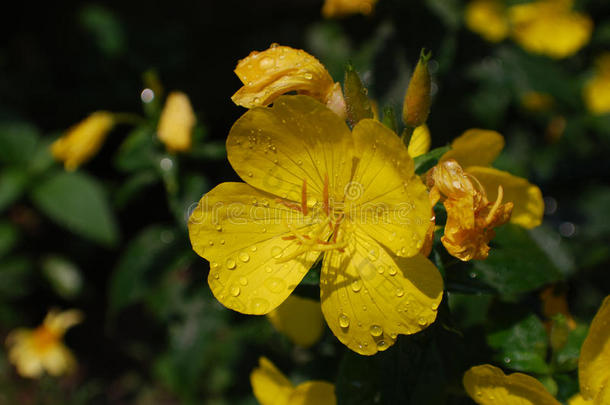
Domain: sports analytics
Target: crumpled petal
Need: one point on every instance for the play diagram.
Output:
(300, 319)
(528, 207)
(475, 147)
(488, 385)
(419, 143)
(593, 370)
(275, 149)
(176, 122)
(341, 8)
(279, 70)
(240, 231)
(369, 296)
(270, 386)
(385, 197)
(313, 393)
(487, 18)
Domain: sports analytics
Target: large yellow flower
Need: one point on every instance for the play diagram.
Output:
(313, 188)
(597, 90)
(271, 387)
(84, 140)
(34, 351)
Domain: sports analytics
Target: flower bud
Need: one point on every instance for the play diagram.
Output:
(417, 99)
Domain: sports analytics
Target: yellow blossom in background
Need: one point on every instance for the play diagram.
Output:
(488, 19)
(597, 90)
(34, 351)
(300, 319)
(488, 385)
(550, 27)
(554, 303)
(271, 387)
(341, 8)
(84, 140)
(312, 192)
(419, 143)
(279, 70)
(176, 123)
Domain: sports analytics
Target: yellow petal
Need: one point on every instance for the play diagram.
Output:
(313, 393)
(275, 149)
(369, 296)
(279, 70)
(579, 400)
(341, 8)
(384, 196)
(270, 386)
(593, 370)
(59, 322)
(239, 230)
(176, 122)
(58, 360)
(597, 90)
(527, 198)
(487, 18)
(488, 385)
(300, 319)
(84, 140)
(420, 141)
(475, 147)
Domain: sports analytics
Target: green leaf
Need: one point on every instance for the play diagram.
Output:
(425, 162)
(357, 102)
(105, 28)
(12, 185)
(17, 142)
(566, 359)
(138, 151)
(133, 186)
(79, 203)
(8, 237)
(15, 274)
(516, 264)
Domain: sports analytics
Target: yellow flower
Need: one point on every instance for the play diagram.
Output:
(488, 385)
(40, 349)
(271, 387)
(420, 141)
(553, 303)
(471, 217)
(550, 27)
(83, 140)
(300, 319)
(597, 90)
(176, 123)
(279, 70)
(341, 8)
(314, 189)
(487, 18)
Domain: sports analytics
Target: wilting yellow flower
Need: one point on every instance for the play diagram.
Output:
(40, 349)
(300, 319)
(83, 140)
(488, 19)
(419, 143)
(550, 27)
(271, 387)
(597, 90)
(176, 122)
(341, 8)
(279, 70)
(471, 217)
(488, 385)
(536, 102)
(314, 189)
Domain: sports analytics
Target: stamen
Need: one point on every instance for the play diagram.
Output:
(304, 197)
(289, 204)
(496, 205)
(325, 198)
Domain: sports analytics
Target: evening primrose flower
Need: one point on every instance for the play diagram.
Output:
(83, 141)
(300, 319)
(488, 19)
(341, 8)
(316, 191)
(597, 90)
(176, 123)
(550, 27)
(41, 349)
(279, 70)
(271, 387)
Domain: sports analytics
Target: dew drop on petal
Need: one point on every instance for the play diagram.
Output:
(392, 271)
(235, 290)
(376, 330)
(259, 306)
(422, 321)
(222, 241)
(343, 321)
(356, 286)
(276, 252)
(275, 285)
(308, 76)
(244, 257)
(400, 292)
(243, 281)
(382, 345)
(253, 248)
(230, 263)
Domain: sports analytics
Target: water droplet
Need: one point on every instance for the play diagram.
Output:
(308, 76)
(364, 308)
(382, 345)
(400, 292)
(380, 269)
(222, 241)
(250, 174)
(213, 265)
(373, 254)
(259, 306)
(218, 227)
(244, 257)
(235, 290)
(392, 271)
(343, 321)
(266, 63)
(393, 335)
(422, 321)
(231, 264)
(268, 269)
(211, 242)
(253, 248)
(376, 330)
(243, 281)
(299, 162)
(264, 230)
(216, 276)
(356, 286)
(275, 285)
(276, 252)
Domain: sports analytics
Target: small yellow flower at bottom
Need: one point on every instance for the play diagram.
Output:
(271, 387)
(488, 385)
(84, 140)
(176, 123)
(597, 90)
(300, 319)
(41, 349)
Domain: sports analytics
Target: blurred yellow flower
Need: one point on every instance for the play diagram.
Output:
(41, 349)
(271, 387)
(176, 123)
(550, 27)
(597, 90)
(419, 143)
(313, 188)
(300, 319)
(279, 70)
(341, 8)
(488, 385)
(488, 19)
(536, 102)
(553, 303)
(83, 140)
